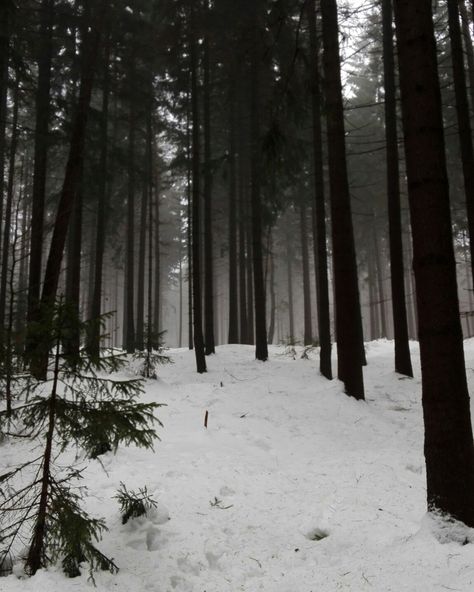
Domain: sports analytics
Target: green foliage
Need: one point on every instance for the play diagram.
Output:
(134, 504)
(78, 404)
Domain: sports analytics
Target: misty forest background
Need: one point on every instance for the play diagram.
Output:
(254, 172)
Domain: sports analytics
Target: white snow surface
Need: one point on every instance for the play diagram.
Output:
(294, 487)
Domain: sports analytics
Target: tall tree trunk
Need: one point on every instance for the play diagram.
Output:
(209, 339)
(5, 16)
(233, 335)
(348, 316)
(319, 207)
(189, 236)
(271, 326)
(261, 349)
(449, 450)
(140, 334)
(101, 228)
(243, 303)
(469, 49)
(380, 283)
(70, 185)
(129, 340)
(463, 117)
(196, 218)
(399, 309)
(308, 333)
(41, 142)
(289, 282)
(8, 209)
(250, 288)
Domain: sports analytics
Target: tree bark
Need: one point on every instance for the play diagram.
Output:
(463, 117)
(40, 156)
(348, 316)
(308, 332)
(233, 335)
(319, 206)
(399, 308)
(71, 181)
(209, 339)
(196, 183)
(449, 450)
(8, 209)
(261, 348)
(101, 227)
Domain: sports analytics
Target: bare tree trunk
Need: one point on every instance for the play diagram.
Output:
(348, 316)
(129, 288)
(319, 206)
(71, 181)
(399, 309)
(261, 349)
(40, 157)
(8, 208)
(6, 10)
(233, 335)
(196, 230)
(449, 450)
(308, 333)
(209, 339)
(101, 227)
(463, 117)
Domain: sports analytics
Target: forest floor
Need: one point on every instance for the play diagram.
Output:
(293, 487)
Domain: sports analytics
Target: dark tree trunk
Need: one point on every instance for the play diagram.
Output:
(8, 209)
(73, 272)
(71, 181)
(308, 332)
(319, 207)
(469, 49)
(209, 339)
(373, 308)
(40, 156)
(96, 303)
(261, 348)
(196, 222)
(348, 317)
(5, 16)
(463, 117)
(243, 304)
(189, 236)
(271, 327)
(399, 309)
(449, 450)
(233, 335)
(140, 335)
(129, 325)
(289, 282)
(380, 283)
(157, 223)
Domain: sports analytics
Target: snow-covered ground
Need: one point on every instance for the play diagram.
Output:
(294, 487)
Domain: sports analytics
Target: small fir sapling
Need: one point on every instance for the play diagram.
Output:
(134, 503)
(152, 356)
(40, 501)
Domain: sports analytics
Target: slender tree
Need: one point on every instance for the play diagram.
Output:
(319, 206)
(196, 218)
(261, 348)
(399, 311)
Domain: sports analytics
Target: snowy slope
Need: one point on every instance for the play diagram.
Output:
(294, 487)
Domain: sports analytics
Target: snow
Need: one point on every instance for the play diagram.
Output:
(294, 487)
